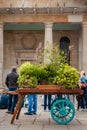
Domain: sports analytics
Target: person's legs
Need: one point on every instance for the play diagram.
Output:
(49, 102)
(45, 102)
(82, 101)
(85, 97)
(30, 103)
(34, 103)
(14, 102)
(78, 97)
(9, 102)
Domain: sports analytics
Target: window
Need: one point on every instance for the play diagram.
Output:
(64, 46)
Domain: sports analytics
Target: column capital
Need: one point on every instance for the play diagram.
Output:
(48, 24)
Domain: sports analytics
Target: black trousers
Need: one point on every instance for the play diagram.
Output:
(80, 100)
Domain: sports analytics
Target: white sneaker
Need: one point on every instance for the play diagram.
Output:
(81, 109)
(85, 109)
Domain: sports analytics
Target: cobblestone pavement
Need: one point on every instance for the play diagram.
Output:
(41, 121)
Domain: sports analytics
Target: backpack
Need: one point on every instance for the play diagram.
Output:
(3, 101)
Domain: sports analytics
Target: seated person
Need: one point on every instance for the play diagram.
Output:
(3, 101)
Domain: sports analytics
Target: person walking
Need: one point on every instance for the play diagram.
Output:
(11, 83)
(32, 104)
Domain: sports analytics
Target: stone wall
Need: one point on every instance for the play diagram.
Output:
(19, 40)
(41, 3)
(73, 36)
(20, 46)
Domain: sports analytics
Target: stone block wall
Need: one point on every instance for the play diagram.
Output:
(19, 46)
(41, 3)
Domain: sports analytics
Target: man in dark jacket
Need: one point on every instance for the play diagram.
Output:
(11, 82)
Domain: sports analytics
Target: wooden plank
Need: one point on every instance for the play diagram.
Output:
(26, 91)
(17, 108)
(11, 92)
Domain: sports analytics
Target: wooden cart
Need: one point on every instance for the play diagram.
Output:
(62, 110)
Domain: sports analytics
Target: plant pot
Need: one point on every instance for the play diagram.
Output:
(43, 82)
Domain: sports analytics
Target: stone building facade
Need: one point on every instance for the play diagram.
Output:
(27, 24)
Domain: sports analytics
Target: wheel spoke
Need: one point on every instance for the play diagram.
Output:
(57, 107)
(63, 105)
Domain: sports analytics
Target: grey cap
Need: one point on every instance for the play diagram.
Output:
(14, 68)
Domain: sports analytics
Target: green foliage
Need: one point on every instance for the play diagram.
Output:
(67, 76)
(32, 82)
(25, 69)
(56, 71)
(28, 72)
(51, 70)
(22, 80)
(57, 57)
(54, 54)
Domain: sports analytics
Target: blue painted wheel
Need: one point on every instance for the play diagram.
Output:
(62, 111)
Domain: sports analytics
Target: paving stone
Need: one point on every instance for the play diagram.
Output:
(31, 127)
(7, 127)
(79, 127)
(41, 121)
(55, 127)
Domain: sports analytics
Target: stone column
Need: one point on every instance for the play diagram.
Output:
(80, 46)
(48, 41)
(1, 54)
(84, 47)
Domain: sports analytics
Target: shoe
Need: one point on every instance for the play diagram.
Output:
(11, 112)
(81, 109)
(35, 113)
(28, 113)
(8, 112)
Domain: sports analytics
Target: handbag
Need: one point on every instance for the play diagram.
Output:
(83, 85)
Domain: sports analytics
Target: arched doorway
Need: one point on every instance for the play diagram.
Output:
(64, 46)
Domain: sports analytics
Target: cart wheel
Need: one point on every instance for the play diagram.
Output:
(62, 111)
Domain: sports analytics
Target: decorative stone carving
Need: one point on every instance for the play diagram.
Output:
(26, 55)
(28, 42)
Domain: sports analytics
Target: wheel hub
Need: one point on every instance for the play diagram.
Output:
(62, 112)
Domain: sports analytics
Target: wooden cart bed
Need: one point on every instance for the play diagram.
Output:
(41, 89)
